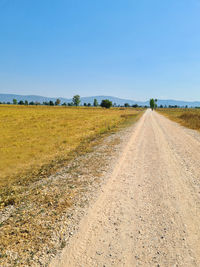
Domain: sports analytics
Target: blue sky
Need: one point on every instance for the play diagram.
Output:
(134, 49)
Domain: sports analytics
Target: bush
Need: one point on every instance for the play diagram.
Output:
(51, 103)
(106, 103)
(57, 102)
(20, 102)
(15, 101)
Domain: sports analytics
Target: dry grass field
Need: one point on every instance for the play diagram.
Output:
(45, 172)
(187, 117)
(35, 136)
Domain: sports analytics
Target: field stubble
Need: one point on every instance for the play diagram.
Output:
(46, 172)
(32, 137)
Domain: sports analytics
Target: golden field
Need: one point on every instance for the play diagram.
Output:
(189, 117)
(35, 142)
(34, 136)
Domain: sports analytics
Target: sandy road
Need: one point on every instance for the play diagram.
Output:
(148, 213)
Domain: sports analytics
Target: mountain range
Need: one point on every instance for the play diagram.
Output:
(118, 101)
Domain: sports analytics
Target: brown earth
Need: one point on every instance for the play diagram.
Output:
(148, 211)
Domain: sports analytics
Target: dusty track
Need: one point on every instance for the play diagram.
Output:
(148, 213)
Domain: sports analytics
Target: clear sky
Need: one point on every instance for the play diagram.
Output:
(133, 49)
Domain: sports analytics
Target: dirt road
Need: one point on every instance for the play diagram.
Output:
(148, 213)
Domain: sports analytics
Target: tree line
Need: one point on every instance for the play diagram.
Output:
(153, 105)
(76, 100)
(105, 103)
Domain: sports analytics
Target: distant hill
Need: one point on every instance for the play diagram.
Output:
(178, 103)
(29, 98)
(116, 100)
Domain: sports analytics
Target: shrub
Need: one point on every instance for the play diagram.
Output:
(106, 103)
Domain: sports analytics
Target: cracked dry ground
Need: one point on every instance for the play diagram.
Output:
(147, 213)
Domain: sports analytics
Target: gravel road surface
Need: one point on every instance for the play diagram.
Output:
(148, 212)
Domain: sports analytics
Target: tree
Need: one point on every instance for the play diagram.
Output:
(152, 103)
(126, 105)
(76, 100)
(85, 104)
(31, 103)
(57, 102)
(135, 106)
(106, 103)
(89, 104)
(26, 102)
(156, 100)
(20, 102)
(14, 101)
(51, 103)
(95, 104)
